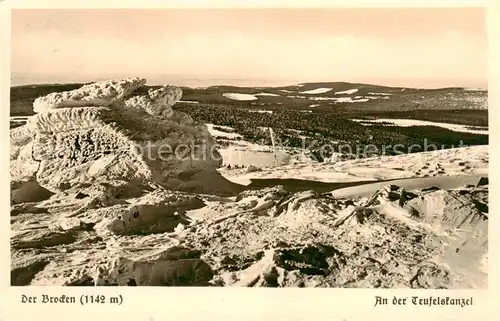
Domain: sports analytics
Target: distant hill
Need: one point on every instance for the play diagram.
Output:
(321, 96)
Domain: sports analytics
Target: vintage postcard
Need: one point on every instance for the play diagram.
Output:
(338, 152)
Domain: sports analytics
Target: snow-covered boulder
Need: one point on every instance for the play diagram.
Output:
(112, 130)
(102, 93)
(157, 102)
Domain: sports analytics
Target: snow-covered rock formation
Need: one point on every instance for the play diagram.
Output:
(116, 129)
(102, 93)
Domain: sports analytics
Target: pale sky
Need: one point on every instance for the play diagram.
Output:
(420, 47)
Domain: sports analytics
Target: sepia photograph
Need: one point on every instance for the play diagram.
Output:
(250, 147)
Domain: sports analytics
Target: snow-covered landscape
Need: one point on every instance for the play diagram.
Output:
(233, 147)
(480, 130)
(237, 211)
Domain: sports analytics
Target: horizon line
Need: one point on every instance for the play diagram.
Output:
(228, 81)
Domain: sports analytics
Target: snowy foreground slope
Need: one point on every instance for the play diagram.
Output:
(76, 220)
(448, 162)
